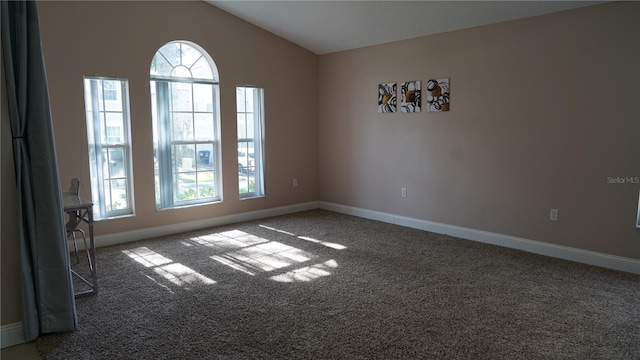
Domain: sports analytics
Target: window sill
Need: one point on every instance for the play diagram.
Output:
(252, 197)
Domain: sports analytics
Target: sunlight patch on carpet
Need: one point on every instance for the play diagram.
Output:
(232, 263)
(226, 240)
(147, 257)
(176, 273)
(264, 257)
(307, 273)
(159, 284)
(306, 238)
(182, 275)
(278, 230)
(325, 243)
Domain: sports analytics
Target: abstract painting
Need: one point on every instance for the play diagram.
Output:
(411, 99)
(387, 97)
(438, 94)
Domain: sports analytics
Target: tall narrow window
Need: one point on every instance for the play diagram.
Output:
(184, 101)
(108, 128)
(250, 122)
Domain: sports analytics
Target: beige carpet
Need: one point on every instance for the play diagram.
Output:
(322, 285)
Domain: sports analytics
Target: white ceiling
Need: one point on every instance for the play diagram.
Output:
(329, 26)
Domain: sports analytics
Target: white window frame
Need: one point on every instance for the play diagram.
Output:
(168, 170)
(101, 147)
(251, 172)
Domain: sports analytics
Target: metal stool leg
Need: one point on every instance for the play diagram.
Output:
(86, 248)
(75, 246)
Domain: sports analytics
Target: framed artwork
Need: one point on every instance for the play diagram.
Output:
(387, 97)
(438, 94)
(411, 99)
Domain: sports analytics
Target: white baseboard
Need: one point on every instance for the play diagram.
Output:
(148, 233)
(11, 334)
(537, 247)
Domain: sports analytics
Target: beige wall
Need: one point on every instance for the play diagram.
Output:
(543, 111)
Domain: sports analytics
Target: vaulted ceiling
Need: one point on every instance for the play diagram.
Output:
(330, 26)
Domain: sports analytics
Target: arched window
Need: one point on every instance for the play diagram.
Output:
(184, 102)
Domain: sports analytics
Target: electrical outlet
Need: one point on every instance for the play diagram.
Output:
(553, 215)
(404, 192)
(295, 182)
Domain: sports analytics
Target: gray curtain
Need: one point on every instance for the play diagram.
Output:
(47, 289)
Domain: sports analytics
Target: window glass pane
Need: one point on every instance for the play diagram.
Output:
(119, 194)
(99, 118)
(160, 66)
(203, 124)
(185, 158)
(88, 99)
(181, 99)
(243, 184)
(154, 107)
(245, 157)
(116, 162)
(250, 126)
(206, 159)
(240, 99)
(189, 55)
(182, 126)
(249, 96)
(206, 184)
(203, 97)
(251, 159)
(156, 178)
(171, 52)
(113, 134)
(108, 203)
(104, 160)
(242, 126)
(186, 185)
(109, 90)
(114, 129)
(99, 91)
(112, 95)
(202, 70)
(251, 181)
(181, 71)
